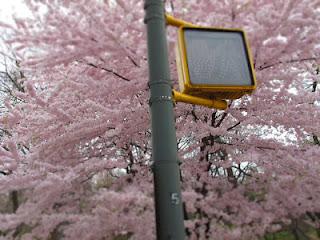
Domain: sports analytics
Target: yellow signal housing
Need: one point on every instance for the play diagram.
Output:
(214, 63)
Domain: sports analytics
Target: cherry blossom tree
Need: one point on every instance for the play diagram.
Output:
(80, 153)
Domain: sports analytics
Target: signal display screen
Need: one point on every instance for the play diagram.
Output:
(216, 57)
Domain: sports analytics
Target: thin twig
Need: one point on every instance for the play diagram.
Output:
(287, 62)
(108, 70)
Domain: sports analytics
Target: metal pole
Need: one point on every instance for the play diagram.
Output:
(168, 204)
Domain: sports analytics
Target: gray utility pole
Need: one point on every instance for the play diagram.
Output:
(169, 211)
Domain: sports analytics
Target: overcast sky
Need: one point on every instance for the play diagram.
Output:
(9, 7)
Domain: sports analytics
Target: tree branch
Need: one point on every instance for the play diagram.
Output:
(133, 61)
(110, 71)
(221, 120)
(107, 70)
(232, 127)
(314, 86)
(316, 139)
(263, 67)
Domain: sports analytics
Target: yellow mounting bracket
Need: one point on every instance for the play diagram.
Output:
(211, 103)
(177, 22)
(182, 97)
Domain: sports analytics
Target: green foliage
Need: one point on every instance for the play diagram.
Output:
(298, 233)
(21, 230)
(123, 236)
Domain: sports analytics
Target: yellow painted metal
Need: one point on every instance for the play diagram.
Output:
(172, 21)
(206, 95)
(211, 103)
(209, 91)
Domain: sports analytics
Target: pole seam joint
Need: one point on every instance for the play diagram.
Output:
(162, 98)
(160, 82)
